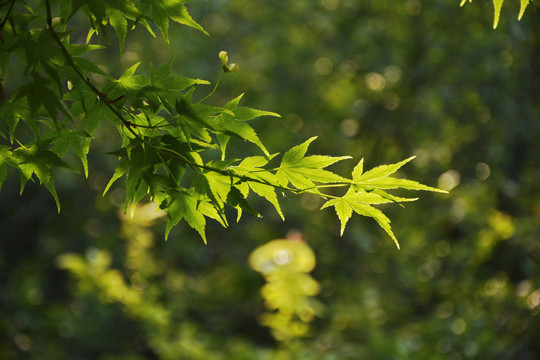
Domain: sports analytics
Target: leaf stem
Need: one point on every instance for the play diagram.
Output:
(214, 90)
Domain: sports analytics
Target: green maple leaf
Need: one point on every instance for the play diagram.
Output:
(79, 141)
(367, 190)
(178, 13)
(252, 168)
(119, 24)
(244, 113)
(39, 94)
(118, 173)
(359, 203)
(9, 115)
(90, 66)
(163, 10)
(236, 199)
(162, 79)
(129, 81)
(38, 161)
(379, 178)
(240, 129)
(184, 205)
(302, 172)
(136, 185)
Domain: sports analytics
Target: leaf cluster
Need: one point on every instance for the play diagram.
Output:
(174, 148)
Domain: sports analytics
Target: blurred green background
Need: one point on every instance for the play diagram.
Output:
(380, 79)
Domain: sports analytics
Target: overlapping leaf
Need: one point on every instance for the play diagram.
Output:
(260, 180)
(39, 161)
(184, 205)
(78, 141)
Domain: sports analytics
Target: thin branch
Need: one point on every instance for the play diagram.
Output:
(11, 3)
(71, 63)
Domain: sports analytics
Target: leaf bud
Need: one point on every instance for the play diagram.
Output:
(224, 58)
(234, 68)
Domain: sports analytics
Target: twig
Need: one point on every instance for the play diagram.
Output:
(69, 59)
(11, 3)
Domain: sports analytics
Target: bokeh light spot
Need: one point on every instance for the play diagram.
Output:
(523, 288)
(283, 256)
(457, 211)
(494, 285)
(392, 73)
(330, 5)
(482, 171)
(459, 326)
(445, 310)
(449, 180)
(375, 81)
(442, 248)
(534, 299)
(349, 127)
(323, 66)
(22, 341)
(413, 7)
(129, 59)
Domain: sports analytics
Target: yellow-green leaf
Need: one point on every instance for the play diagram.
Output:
(297, 152)
(382, 220)
(522, 7)
(268, 193)
(358, 169)
(393, 183)
(497, 5)
(382, 171)
(344, 213)
(184, 205)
